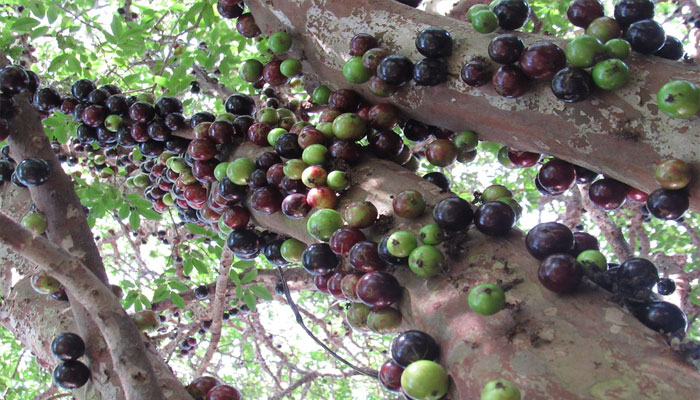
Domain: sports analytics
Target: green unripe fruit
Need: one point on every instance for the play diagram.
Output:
(292, 250)
(322, 223)
(384, 320)
(484, 21)
(100, 159)
(294, 168)
(465, 140)
(238, 171)
(279, 42)
(36, 222)
(177, 165)
(274, 134)
(487, 299)
(500, 389)
(356, 315)
(314, 176)
(425, 380)
(43, 283)
(321, 95)
(401, 243)
(225, 229)
(355, 71)
(145, 97)
(250, 70)
(474, 9)
(268, 116)
(349, 126)
(673, 174)
(426, 261)
(285, 113)
(141, 180)
(585, 51)
(168, 199)
(220, 171)
(618, 48)
(494, 192)
(504, 159)
(431, 234)
(337, 180)
(130, 182)
(326, 128)
(146, 321)
(290, 67)
(113, 122)
(315, 154)
(611, 74)
(226, 117)
(679, 99)
(592, 261)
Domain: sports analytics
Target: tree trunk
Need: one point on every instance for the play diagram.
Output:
(573, 347)
(620, 134)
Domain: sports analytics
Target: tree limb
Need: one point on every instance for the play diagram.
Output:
(217, 311)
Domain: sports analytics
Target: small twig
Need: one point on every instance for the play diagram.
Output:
(300, 321)
(217, 311)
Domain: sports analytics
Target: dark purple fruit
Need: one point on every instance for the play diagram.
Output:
(494, 218)
(33, 172)
(344, 101)
(662, 316)
(629, 11)
(244, 243)
(240, 104)
(385, 144)
(142, 112)
(47, 99)
(198, 118)
(572, 85)
(13, 80)
(549, 238)
(395, 70)
(646, 36)
(287, 146)
(344, 239)
(608, 193)
(378, 289)
(266, 200)
(246, 26)
(81, 89)
(434, 42)
(512, 14)
(273, 252)
(584, 241)
(364, 257)
(438, 179)
(94, 115)
(390, 375)
(557, 176)
(319, 259)
(584, 176)
(542, 60)
(362, 42)
(477, 73)
(430, 72)
(167, 105)
(71, 374)
(582, 12)
(68, 346)
(413, 345)
(510, 81)
(560, 273)
(635, 276)
(666, 286)
(672, 49)
(98, 96)
(201, 292)
(295, 206)
(453, 214)
(506, 48)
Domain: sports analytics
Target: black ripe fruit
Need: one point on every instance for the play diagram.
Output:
(412, 346)
(572, 84)
(434, 42)
(71, 374)
(549, 238)
(453, 214)
(512, 14)
(68, 346)
(646, 36)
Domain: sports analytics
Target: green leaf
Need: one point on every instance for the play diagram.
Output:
(123, 211)
(200, 266)
(196, 229)
(243, 264)
(250, 276)
(24, 25)
(150, 214)
(250, 300)
(116, 26)
(695, 296)
(145, 301)
(134, 220)
(187, 266)
(261, 292)
(177, 300)
(72, 64)
(234, 277)
(177, 285)
(161, 293)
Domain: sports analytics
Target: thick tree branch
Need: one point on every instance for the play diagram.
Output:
(121, 335)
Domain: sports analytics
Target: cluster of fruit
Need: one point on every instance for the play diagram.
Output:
(566, 258)
(209, 388)
(602, 48)
(413, 371)
(69, 373)
(15, 80)
(670, 202)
